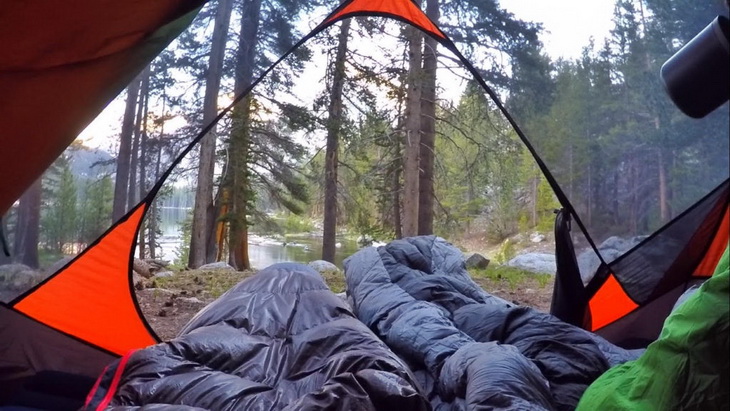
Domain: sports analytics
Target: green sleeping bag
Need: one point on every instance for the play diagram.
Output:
(687, 368)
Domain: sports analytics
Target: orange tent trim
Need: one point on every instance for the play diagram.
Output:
(404, 9)
(707, 266)
(609, 304)
(91, 298)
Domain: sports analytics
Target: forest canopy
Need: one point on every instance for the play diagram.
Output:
(373, 128)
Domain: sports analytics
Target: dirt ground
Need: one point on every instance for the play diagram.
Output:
(531, 292)
(169, 303)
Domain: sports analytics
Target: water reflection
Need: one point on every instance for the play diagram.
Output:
(263, 251)
(298, 249)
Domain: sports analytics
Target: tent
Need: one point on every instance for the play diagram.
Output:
(75, 60)
(78, 320)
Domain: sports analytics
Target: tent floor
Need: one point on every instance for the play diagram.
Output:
(47, 390)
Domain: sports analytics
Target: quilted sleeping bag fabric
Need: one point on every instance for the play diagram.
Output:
(469, 349)
(278, 340)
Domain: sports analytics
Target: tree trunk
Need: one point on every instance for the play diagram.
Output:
(133, 164)
(125, 148)
(28, 226)
(240, 138)
(223, 204)
(633, 183)
(428, 126)
(664, 206)
(204, 191)
(239, 186)
(617, 220)
(212, 221)
(571, 171)
(412, 145)
(143, 149)
(589, 207)
(334, 125)
(133, 192)
(154, 211)
(153, 219)
(535, 182)
(397, 225)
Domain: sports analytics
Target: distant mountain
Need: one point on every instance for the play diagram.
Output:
(90, 162)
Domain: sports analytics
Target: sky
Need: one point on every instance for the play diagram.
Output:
(569, 23)
(568, 26)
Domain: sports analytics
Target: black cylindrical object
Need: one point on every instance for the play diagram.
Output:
(697, 77)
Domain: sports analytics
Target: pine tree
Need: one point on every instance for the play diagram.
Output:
(334, 131)
(121, 185)
(260, 152)
(27, 227)
(412, 133)
(95, 208)
(204, 211)
(428, 126)
(61, 214)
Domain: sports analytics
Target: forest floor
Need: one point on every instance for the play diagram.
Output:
(169, 303)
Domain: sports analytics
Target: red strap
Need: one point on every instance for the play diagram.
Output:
(115, 381)
(95, 387)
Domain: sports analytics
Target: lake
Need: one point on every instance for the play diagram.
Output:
(263, 250)
(301, 249)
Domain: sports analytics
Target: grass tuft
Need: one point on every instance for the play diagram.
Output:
(209, 283)
(214, 283)
(515, 278)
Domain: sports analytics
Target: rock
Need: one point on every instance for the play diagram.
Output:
(19, 277)
(192, 302)
(159, 292)
(324, 267)
(142, 268)
(537, 238)
(338, 245)
(53, 268)
(535, 262)
(610, 249)
(476, 260)
(163, 274)
(364, 240)
(156, 265)
(139, 282)
(220, 265)
(162, 313)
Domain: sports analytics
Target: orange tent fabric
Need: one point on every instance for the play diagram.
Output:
(62, 62)
(402, 9)
(609, 304)
(91, 298)
(717, 248)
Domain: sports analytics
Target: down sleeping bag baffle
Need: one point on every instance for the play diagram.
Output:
(278, 340)
(469, 349)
